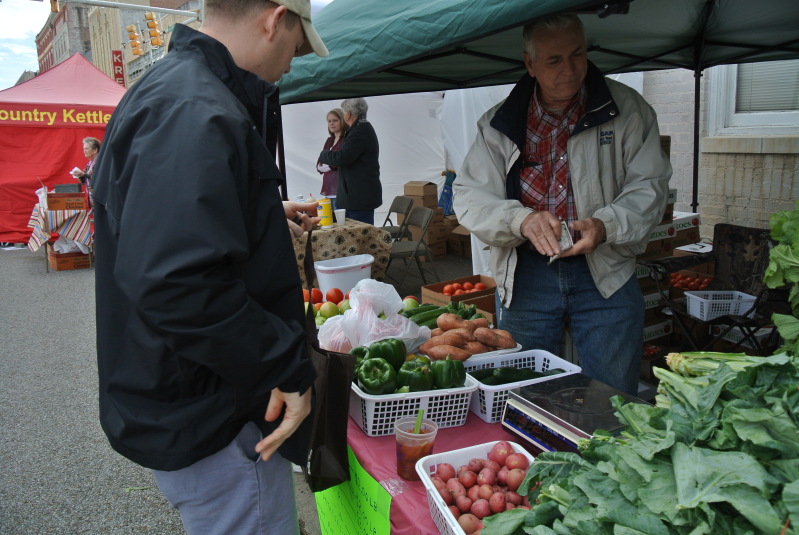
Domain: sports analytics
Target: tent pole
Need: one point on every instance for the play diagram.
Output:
(695, 181)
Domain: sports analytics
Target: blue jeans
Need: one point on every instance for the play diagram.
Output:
(608, 333)
(365, 216)
(233, 491)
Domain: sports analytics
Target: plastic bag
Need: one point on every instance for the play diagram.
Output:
(361, 324)
(66, 245)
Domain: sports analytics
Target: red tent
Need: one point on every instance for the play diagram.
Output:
(42, 124)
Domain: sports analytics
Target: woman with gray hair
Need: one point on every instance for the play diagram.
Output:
(359, 188)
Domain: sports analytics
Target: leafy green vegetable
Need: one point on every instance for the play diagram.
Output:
(722, 456)
(783, 269)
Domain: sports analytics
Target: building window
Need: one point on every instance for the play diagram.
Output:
(754, 99)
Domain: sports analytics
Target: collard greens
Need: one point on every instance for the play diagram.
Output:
(719, 456)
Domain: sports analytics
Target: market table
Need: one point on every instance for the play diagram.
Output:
(409, 512)
(348, 239)
(72, 224)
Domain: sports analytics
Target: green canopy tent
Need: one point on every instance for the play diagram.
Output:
(385, 47)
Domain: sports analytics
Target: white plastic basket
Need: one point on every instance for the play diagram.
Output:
(427, 466)
(376, 414)
(489, 401)
(710, 305)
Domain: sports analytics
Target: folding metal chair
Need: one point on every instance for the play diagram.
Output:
(741, 255)
(420, 218)
(401, 205)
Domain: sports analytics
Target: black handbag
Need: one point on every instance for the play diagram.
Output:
(328, 463)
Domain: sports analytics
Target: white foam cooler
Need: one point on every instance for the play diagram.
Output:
(343, 273)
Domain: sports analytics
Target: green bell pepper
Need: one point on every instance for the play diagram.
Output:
(416, 374)
(361, 354)
(391, 349)
(448, 373)
(376, 377)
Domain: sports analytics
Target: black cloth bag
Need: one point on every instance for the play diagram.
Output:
(328, 463)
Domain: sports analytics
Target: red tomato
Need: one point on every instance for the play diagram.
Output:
(447, 293)
(316, 295)
(459, 291)
(335, 295)
(306, 295)
(479, 286)
(448, 289)
(694, 285)
(457, 286)
(468, 286)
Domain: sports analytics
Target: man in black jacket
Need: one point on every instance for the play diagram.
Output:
(203, 369)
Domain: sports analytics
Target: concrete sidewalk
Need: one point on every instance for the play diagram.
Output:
(59, 474)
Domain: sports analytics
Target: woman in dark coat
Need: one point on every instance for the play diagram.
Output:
(359, 189)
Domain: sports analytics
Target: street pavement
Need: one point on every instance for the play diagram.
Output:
(59, 474)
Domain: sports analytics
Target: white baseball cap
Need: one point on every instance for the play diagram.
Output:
(313, 43)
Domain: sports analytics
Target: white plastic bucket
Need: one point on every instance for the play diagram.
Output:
(343, 273)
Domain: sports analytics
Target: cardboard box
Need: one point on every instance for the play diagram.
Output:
(436, 233)
(659, 330)
(432, 292)
(668, 213)
(428, 201)
(486, 305)
(450, 221)
(656, 249)
(661, 232)
(67, 261)
(67, 201)
(421, 188)
(654, 356)
(653, 308)
(686, 236)
(438, 250)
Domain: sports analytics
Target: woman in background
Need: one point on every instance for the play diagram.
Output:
(336, 128)
(359, 189)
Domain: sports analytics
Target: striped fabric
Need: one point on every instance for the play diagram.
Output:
(72, 224)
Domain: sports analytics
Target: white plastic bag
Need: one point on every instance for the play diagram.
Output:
(361, 324)
(66, 245)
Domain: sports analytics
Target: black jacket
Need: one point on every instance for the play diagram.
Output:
(359, 185)
(199, 301)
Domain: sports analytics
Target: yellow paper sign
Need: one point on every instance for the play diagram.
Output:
(360, 506)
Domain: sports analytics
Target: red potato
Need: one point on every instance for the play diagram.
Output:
(499, 452)
(515, 478)
(438, 482)
(456, 488)
(475, 465)
(444, 351)
(469, 523)
(473, 493)
(487, 476)
(446, 495)
(463, 503)
(468, 479)
(509, 506)
(497, 502)
(502, 475)
(513, 497)
(481, 508)
(461, 469)
(517, 460)
(455, 511)
(485, 492)
(493, 465)
(445, 472)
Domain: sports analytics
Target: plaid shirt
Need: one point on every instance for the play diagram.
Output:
(545, 179)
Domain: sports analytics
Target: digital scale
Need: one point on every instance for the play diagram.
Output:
(554, 415)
